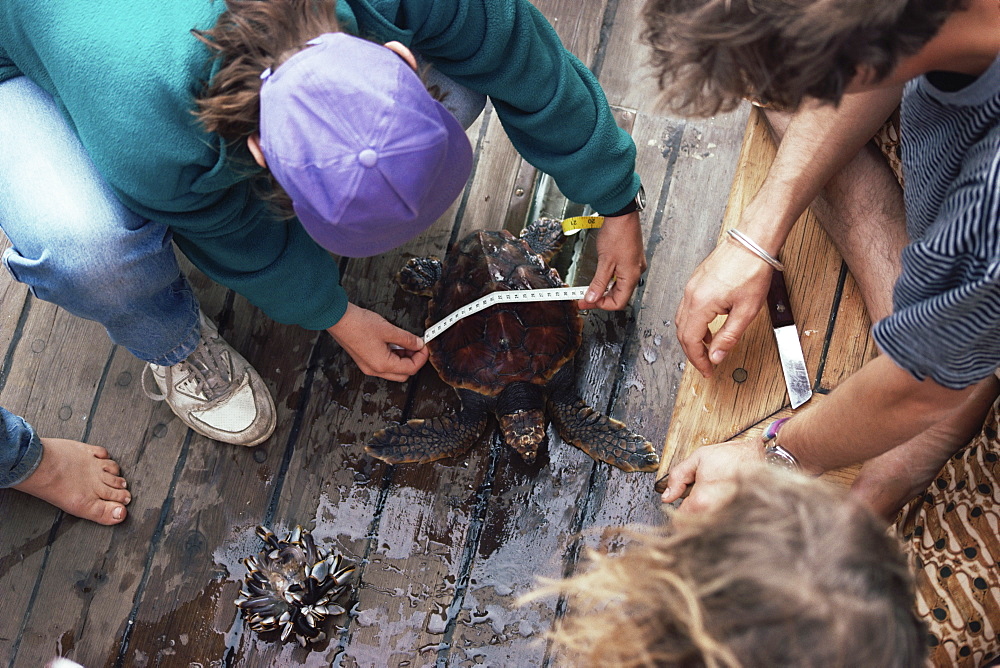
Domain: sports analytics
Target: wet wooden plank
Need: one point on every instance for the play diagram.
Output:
(699, 161)
(438, 546)
(94, 572)
(333, 484)
(535, 511)
(51, 382)
(184, 611)
(433, 579)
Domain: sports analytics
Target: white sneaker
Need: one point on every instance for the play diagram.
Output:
(216, 392)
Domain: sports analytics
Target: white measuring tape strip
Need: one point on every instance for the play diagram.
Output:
(570, 226)
(503, 297)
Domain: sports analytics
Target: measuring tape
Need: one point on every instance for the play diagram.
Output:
(573, 225)
(503, 297)
(570, 226)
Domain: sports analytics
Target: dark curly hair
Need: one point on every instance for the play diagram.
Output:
(711, 54)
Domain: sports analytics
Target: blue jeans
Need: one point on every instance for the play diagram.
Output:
(20, 452)
(76, 245)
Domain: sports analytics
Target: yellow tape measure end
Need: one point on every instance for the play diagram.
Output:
(573, 225)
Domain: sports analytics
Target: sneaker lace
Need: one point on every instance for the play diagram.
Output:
(209, 370)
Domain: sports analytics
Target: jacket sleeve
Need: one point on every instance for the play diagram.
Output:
(8, 70)
(550, 104)
(274, 264)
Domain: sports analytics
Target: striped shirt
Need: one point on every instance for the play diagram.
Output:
(946, 305)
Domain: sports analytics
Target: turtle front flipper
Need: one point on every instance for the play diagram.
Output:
(427, 440)
(603, 438)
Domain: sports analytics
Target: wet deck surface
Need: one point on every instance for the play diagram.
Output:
(443, 549)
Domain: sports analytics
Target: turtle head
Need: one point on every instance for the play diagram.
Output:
(420, 275)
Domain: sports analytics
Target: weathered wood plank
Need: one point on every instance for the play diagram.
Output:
(333, 483)
(578, 24)
(533, 511)
(699, 165)
(51, 383)
(851, 343)
(12, 300)
(442, 548)
(626, 75)
(94, 573)
(444, 566)
(185, 612)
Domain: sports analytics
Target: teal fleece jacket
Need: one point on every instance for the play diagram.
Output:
(125, 75)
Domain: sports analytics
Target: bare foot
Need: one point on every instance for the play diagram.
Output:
(79, 479)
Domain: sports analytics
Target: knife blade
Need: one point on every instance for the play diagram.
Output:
(793, 363)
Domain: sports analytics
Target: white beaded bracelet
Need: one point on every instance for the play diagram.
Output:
(755, 248)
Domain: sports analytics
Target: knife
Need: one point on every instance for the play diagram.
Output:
(793, 364)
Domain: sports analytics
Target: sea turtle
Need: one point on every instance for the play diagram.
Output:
(512, 360)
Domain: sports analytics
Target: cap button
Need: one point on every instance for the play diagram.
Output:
(368, 157)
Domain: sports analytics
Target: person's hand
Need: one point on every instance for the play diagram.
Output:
(620, 256)
(710, 472)
(729, 281)
(378, 347)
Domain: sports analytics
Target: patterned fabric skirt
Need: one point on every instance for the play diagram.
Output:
(952, 536)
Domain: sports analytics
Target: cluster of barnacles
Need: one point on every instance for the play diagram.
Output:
(292, 585)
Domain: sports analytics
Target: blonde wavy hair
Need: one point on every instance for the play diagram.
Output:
(710, 54)
(786, 572)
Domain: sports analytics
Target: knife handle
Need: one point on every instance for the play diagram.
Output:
(779, 307)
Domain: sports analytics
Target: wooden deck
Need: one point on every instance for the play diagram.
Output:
(442, 549)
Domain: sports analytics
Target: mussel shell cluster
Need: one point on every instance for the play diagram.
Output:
(293, 586)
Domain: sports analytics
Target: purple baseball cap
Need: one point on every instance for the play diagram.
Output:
(368, 157)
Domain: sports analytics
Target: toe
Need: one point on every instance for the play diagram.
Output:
(99, 451)
(112, 513)
(113, 480)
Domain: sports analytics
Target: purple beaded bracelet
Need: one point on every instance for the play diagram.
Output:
(772, 429)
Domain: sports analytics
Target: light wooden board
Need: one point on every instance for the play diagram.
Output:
(747, 388)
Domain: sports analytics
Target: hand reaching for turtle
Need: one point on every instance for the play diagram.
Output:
(729, 281)
(620, 256)
(707, 477)
(378, 347)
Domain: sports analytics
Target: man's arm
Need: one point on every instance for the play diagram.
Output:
(817, 142)
(875, 410)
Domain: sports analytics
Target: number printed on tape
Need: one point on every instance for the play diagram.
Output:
(503, 297)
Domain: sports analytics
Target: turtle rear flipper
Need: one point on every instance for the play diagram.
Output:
(544, 236)
(601, 437)
(426, 440)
